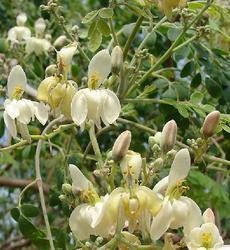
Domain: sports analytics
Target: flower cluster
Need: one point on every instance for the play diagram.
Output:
(135, 208)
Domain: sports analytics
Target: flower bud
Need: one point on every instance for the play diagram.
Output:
(66, 188)
(168, 136)
(51, 70)
(62, 197)
(117, 59)
(21, 19)
(155, 139)
(210, 124)
(209, 216)
(60, 41)
(121, 145)
(158, 163)
(131, 165)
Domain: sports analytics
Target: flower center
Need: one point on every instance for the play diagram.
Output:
(207, 240)
(94, 81)
(18, 93)
(177, 190)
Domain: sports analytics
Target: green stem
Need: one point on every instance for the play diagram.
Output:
(44, 137)
(142, 44)
(83, 54)
(24, 190)
(132, 36)
(114, 36)
(185, 43)
(95, 145)
(167, 54)
(39, 181)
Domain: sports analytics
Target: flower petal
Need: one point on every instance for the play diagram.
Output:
(16, 78)
(10, 124)
(12, 108)
(161, 185)
(161, 221)
(111, 107)
(180, 212)
(80, 182)
(194, 216)
(80, 222)
(40, 112)
(180, 167)
(79, 108)
(99, 67)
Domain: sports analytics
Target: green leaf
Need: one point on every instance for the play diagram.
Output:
(15, 213)
(106, 13)
(196, 81)
(196, 97)
(90, 16)
(29, 210)
(213, 88)
(42, 244)
(103, 27)
(28, 229)
(208, 108)
(226, 128)
(188, 69)
(173, 33)
(95, 40)
(182, 110)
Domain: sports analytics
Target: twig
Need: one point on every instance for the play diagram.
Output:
(39, 180)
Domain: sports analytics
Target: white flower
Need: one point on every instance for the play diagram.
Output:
(37, 46)
(177, 211)
(99, 69)
(65, 56)
(23, 111)
(205, 237)
(20, 110)
(21, 19)
(95, 105)
(16, 82)
(83, 220)
(19, 33)
(40, 26)
(92, 103)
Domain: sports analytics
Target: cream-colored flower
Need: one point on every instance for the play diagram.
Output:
(17, 110)
(37, 46)
(40, 26)
(95, 105)
(65, 56)
(177, 210)
(19, 33)
(206, 237)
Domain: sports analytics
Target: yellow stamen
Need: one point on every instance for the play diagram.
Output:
(207, 240)
(177, 190)
(93, 82)
(18, 92)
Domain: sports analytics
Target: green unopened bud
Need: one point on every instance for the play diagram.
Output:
(210, 124)
(66, 188)
(51, 70)
(121, 145)
(168, 136)
(158, 163)
(117, 59)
